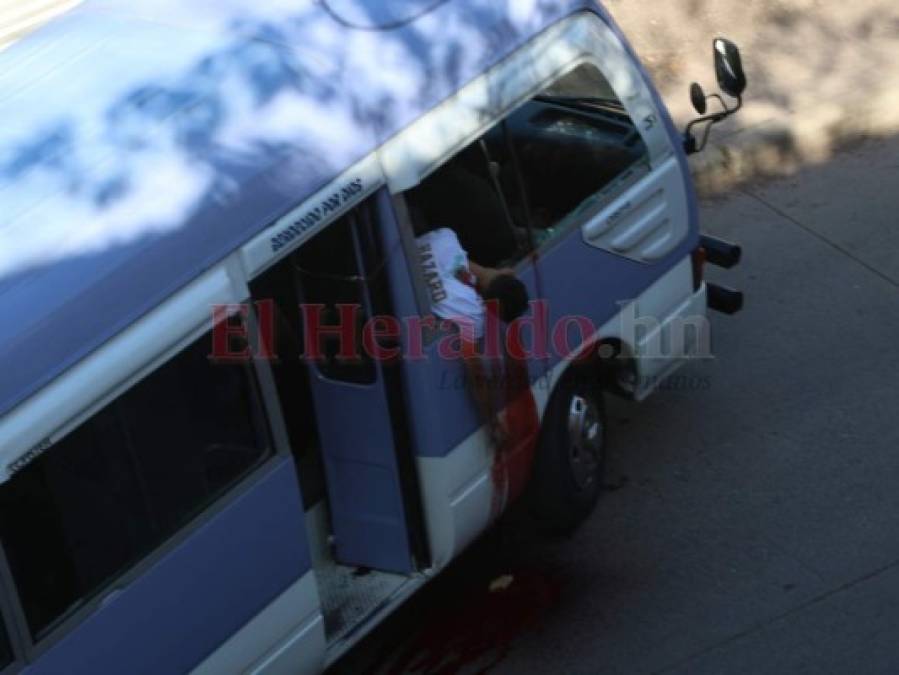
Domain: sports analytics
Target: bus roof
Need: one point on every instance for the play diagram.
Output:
(144, 141)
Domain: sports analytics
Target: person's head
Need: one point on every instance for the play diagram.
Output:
(509, 293)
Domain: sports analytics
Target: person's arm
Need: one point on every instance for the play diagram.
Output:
(485, 275)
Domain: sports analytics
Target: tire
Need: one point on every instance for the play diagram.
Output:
(569, 469)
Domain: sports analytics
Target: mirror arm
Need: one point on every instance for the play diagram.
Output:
(705, 136)
(718, 98)
(727, 109)
(690, 144)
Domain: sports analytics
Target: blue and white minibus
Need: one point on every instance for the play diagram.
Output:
(203, 203)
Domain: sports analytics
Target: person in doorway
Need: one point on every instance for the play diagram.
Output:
(463, 292)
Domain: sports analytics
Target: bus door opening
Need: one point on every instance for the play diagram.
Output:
(344, 410)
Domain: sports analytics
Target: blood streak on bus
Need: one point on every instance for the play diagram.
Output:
(513, 459)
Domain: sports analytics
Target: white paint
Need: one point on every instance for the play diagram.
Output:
(456, 496)
(259, 255)
(18, 17)
(289, 633)
(457, 492)
(648, 221)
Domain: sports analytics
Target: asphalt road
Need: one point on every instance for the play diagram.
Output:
(755, 524)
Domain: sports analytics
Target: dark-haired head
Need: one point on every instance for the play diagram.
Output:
(510, 294)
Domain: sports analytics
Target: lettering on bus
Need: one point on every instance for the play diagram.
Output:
(335, 201)
(26, 459)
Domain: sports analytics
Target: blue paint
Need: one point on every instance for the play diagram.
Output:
(193, 599)
(364, 490)
(441, 417)
(119, 95)
(380, 15)
(191, 91)
(360, 443)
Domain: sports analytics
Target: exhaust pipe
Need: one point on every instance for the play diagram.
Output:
(723, 299)
(719, 252)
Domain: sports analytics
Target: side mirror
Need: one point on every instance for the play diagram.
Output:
(731, 80)
(729, 68)
(698, 99)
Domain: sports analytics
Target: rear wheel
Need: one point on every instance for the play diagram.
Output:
(570, 465)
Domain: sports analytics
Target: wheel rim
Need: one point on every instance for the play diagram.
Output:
(585, 441)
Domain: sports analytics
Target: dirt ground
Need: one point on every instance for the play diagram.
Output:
(821, 74)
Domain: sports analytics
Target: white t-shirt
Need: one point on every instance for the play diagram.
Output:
(444, 264)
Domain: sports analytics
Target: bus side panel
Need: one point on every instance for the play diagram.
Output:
(200, 593)
(581, 280)
(577, 280)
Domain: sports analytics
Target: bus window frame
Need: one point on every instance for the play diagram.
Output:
(567, 225)
(263, 385)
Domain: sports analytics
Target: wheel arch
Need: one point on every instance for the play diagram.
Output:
(611, 359)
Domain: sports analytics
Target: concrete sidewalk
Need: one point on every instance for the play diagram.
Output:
(821, 74)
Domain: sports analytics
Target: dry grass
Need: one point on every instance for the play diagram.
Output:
(821, 74)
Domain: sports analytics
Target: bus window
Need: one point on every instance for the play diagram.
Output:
(571, 144)
(329, 274)
(549, 160)
(117, 487)
(465, 196)
(324, 271)
(278, 286)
